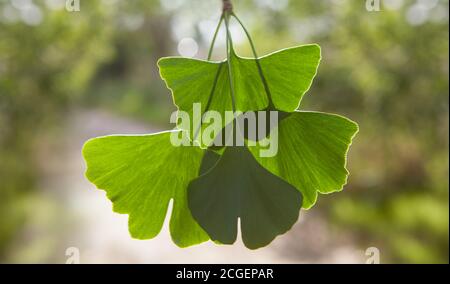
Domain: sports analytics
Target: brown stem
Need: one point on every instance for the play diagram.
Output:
(227, 6)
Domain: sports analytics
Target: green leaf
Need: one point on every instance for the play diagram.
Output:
(140, 175)
(289, 74)
(238, 187)
(312, 149)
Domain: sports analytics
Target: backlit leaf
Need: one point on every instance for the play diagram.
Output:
(312, 149)
(140, 175)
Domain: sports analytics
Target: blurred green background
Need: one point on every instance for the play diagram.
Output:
(387, 70)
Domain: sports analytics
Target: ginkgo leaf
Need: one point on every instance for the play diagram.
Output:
(213, 189)
(289, 74)
(312, 150)
(238, 187)
(140, 175)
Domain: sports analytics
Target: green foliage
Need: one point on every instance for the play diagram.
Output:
(266, 194)
(312, 153)
(43, 70)
(387, 74)
(237, 186)
(289, 74)
(141, 174)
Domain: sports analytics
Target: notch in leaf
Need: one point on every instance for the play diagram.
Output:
(238, 187)
(289, 73)
(140, 175)
(312, 153)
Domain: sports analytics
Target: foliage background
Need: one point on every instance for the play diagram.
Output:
(387, 70)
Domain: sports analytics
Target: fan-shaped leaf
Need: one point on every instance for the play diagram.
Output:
(312, 149)
(238, 187)
(289, 74)
(140, 175)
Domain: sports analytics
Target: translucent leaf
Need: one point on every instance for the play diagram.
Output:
(140, 175)
(312, 150)
(289, 74)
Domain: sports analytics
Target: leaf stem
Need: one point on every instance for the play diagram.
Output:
(229, 51)
(258, 64)
(230, 70)
(215, 37)
(208, 104)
